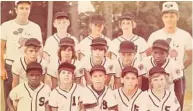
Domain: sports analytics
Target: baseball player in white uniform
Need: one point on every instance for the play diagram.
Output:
(32, 49)
(127, 23)
(31, 95)
(14, 33)
(66, 53)
(160, 51)
(61, 23)
(161, 99)
(129, 97)
(127, 57)
(98, 97)
(97, 25)
(67, 96)
(179, 40)
(98, 51)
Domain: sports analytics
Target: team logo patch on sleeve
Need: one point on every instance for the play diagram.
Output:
(177, 71)
(81, 71)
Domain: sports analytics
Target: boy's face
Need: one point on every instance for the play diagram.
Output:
(170, 19)
(23, 10)
(61, 23)
(98, 53)
(126, 24)
(158, 82)
(32, 52)
(66, 53)
(159, 55)
(34, 78)
(65, 76)
(96, 28)
(98, 78)
(127, 57)
(130, 80)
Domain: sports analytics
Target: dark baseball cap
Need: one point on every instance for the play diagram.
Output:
(127, 46)
(34, 66)
(97, 19)
(66, 66)
(97, 68)
(162, 44)
(129, 69)
(18, 2)
(157, 69)
(61, 14)
(99, 42)
(67, 41)
(127, 15)
(33, 41)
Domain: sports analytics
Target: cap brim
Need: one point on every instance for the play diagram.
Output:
(163, 48)
(97, 22)
(126, 17)
(38, 45)
(167, 11)
(126, 51)
(67, 44)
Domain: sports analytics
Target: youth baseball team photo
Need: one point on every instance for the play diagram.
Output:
(57, 57)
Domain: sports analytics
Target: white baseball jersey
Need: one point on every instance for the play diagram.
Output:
(136, 102)
(118, 64)
(103, 101)
(14, 35)
(66, 101)
(169, 102)
(19, 68)
(86, 63)
(86, 42)
(28, 99)
(174, 69)
(137, 40)
(52, 45)
(52, 69)
(179, 42)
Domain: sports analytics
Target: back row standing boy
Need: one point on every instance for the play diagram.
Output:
(13, 37)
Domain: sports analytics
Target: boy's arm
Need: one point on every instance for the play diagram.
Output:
(10, 104)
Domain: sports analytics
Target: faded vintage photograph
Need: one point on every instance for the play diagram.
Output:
(96, 55)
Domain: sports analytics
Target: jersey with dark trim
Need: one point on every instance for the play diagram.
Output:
(174, 69)
(85, 48)
(137, 40)
(52, 45)
(19, 68)
(103, 101)
(28, 99)
(169, 101)
(133, 104)
(66, 101)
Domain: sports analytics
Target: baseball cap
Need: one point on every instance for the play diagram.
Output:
(157, 69)
(97, 19)
(99, 42)
(97, 68)
(33, 41)
(127, 15)
(127, 46)
(61, 14)
(170, 7)
(67, 41)
(18, 2)
(162, 44)
(66, 66)
(34, 66)
(129, 69)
